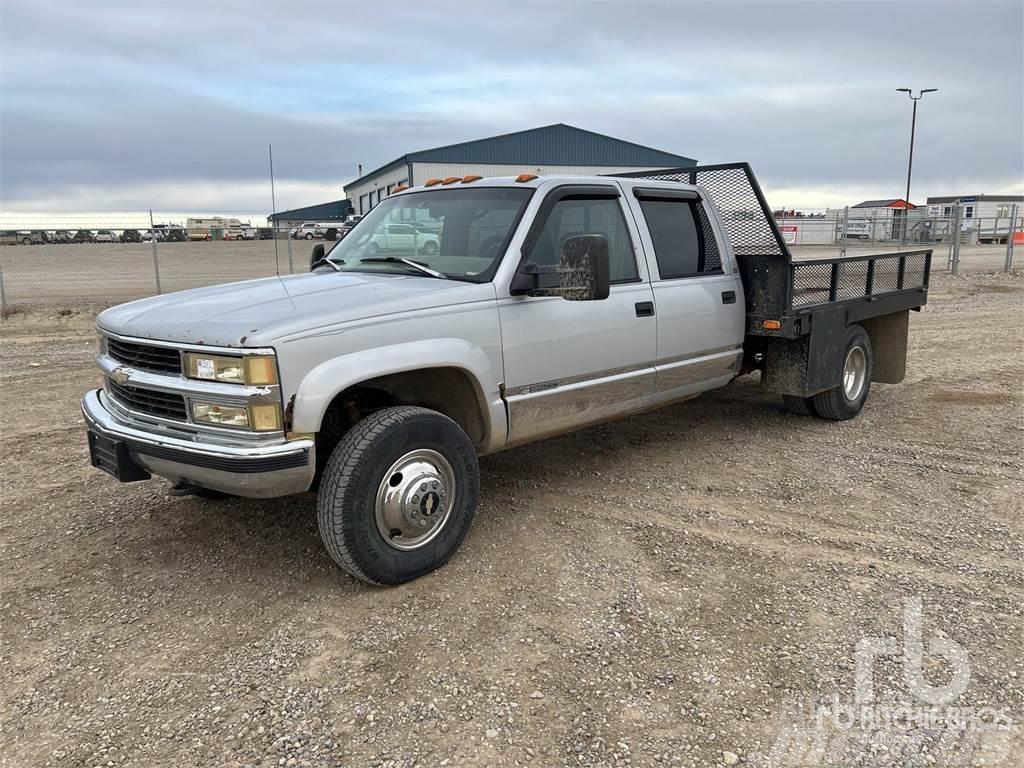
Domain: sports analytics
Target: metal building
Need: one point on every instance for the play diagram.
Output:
(333, 211)
(550, 149)
(987, 218)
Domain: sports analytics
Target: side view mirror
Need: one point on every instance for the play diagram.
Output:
(584, 268)
(583, 271)
(316, 255)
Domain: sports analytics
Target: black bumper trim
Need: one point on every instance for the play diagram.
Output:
(222, 463)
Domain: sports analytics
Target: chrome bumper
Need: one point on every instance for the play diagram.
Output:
(259, 471)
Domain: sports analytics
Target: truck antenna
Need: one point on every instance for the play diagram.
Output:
(273, 210)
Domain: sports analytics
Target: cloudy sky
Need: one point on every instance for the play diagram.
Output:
(137, 104)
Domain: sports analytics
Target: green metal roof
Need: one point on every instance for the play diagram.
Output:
(557, 144)
(338, 209)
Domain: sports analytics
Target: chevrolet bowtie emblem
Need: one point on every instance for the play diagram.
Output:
(120, 376)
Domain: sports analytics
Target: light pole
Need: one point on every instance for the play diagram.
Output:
(913, 126)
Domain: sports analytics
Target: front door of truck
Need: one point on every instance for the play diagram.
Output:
(571, 363)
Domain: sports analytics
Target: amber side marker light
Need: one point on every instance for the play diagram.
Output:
(526, 177)
(771, 325)
(470, 177)
(431, 182)
(399, 188)
(451, 179)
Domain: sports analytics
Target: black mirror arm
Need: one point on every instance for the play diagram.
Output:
(526, 280)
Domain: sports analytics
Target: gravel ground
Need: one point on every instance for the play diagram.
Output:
(681, 588)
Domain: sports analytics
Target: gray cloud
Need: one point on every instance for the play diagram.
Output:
(123, 95)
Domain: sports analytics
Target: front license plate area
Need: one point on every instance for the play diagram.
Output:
(113, 458)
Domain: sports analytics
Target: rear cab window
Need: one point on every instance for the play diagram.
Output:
(683, 239)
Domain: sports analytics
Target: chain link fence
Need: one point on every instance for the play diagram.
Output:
(116, 263)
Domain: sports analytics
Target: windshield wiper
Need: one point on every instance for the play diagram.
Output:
(326, 260)
(408, 262)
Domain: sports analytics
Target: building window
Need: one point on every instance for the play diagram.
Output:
(969, 212)
(363, 207)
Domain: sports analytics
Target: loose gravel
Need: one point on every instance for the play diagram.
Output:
(682, 588)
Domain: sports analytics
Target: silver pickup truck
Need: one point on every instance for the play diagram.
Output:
(542, 305)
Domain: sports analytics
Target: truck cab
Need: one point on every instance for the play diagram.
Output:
(466, 316)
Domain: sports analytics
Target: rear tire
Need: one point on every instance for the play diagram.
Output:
(801, 406)
(398, 495)
(846, 401)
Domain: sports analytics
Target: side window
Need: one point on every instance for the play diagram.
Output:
(587, 216)
(684, 243)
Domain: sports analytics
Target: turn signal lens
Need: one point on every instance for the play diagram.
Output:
(470, 177)
(451, 179)
(400, 188)
(265, 418)
(526, 177)
(431, 182)
(260, 370)
(771, 325)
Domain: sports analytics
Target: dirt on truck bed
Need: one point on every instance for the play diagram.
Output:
(687, 587)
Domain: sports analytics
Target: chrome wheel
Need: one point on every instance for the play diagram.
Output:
(415, 499)
(854, 373)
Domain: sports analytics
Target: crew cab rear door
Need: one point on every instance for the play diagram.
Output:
(571, 363)
(698, 294)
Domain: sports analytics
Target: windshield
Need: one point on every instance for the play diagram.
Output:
(461, 233)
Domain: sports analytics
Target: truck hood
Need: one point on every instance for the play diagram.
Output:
(260, 312)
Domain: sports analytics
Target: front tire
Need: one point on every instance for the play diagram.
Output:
(398, 495)
(846, 401)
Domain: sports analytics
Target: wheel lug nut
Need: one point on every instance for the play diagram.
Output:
(423, 523)
(434, 485)
(415, 499)
(423, 487)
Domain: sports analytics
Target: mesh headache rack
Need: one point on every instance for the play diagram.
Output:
(777, 286)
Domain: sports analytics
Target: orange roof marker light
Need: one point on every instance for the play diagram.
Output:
(431, 182)
(470, 177)
(400, 188)
(526, 177)
(451, 179)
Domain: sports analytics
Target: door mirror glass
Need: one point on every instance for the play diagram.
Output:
(316, 255)
(584, 269)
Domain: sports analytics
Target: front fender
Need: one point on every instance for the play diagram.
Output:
(322, 384)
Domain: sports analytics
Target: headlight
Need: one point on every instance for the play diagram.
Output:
(256, 369)
(258, 418)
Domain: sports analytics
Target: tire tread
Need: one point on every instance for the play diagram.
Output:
(340, 471)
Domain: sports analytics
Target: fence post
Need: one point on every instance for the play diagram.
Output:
(954, 256)
(291, 269)
(156, 259)
(3, 293)
(846, 228)
(1012, 231)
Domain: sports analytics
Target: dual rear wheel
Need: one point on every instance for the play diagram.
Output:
(846, 400)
